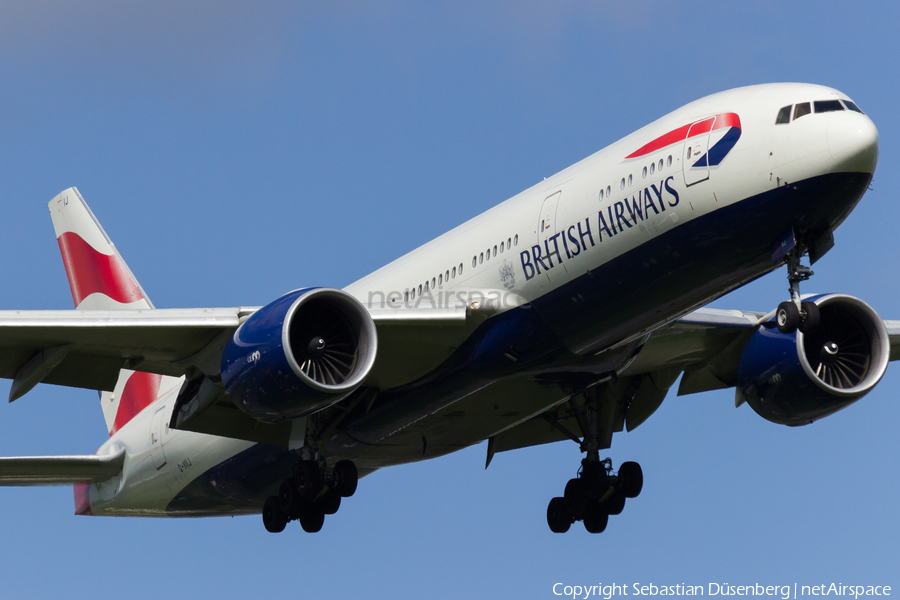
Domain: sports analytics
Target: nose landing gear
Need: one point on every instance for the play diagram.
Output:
(794, 314)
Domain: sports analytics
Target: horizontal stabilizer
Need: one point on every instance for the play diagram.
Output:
(59, 470)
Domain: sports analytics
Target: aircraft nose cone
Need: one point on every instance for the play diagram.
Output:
(853, 142)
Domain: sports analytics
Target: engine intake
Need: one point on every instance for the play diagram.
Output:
(299, 354)
(795, 379)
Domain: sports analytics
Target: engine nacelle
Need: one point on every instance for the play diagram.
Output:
(299, 354)
(795, 379)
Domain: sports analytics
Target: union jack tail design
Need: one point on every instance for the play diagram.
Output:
(100, 280)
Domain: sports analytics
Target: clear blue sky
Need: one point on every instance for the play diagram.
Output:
(235, 152)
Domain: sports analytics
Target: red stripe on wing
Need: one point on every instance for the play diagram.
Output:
(90, 271)
(140, 391)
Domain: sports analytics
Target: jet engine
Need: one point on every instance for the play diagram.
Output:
(797, 378)
(299, 354)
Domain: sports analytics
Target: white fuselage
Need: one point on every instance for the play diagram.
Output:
(544, 239)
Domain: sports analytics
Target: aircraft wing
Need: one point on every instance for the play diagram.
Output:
(703, 347)
(86, 349)
(59, 470)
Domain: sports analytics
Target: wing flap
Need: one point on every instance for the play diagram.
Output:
(59, 470)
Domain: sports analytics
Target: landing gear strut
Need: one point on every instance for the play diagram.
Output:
(794, 314)
(596, 492)
(310, 495)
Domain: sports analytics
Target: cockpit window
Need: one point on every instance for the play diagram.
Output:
(801, 110)
(828, 105)
(853, 106)
(784, 115)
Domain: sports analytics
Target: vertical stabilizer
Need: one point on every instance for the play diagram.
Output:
(98, 277)
(100, 280)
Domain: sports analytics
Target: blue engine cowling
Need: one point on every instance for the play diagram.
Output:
(299, 354)
(795, 379)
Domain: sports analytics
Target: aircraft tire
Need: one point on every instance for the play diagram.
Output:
(576, 498)
(312, 518)
(787, 317)
(346, 478)
(308, 478)
(330, 503)
(289, 498)
(594, 480)
(811, 323)
(273, 517)
(558, 517)
(631, 477)
(614, 505)
(596, 519)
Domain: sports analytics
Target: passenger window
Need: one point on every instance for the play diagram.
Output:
(652, 168)
(474, 262)
(852, 106)
(488, 254)
(801, 110)
(669, 161)
(517, 239)
(501, 247)
(644, 173)
(495, 250)
(412, 294)
(601, 195)
(454, 272)
(447, 274)
(441, 279)
(828, 105)
(406, 296)
(460, 268)
(660, 164)
(629, 180)
(608, 191)
(420, 289)
(433, 283)
(622, 185)
(481, 258)
(509, 242)
(784, 115)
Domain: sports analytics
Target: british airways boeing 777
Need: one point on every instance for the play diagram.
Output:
(564, 313)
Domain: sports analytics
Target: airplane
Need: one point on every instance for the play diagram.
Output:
(565, 313)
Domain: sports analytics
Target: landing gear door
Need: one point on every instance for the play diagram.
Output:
(696, 147)
(156, 440)
(547, 224)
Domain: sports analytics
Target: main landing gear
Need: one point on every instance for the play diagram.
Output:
(309, 496)
(594, 495)
(596, 492)
(794, 314)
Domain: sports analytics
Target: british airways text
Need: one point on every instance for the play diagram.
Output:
(616, 218)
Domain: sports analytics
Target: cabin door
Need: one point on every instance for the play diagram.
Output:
(695, 161)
